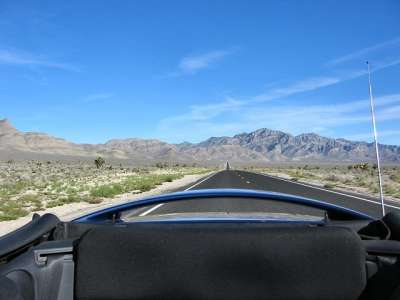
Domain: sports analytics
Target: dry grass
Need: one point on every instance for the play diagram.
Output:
(36, 185)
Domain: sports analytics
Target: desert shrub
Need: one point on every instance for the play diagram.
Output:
(332, 177)
(390, 189)
(346, 181)
(11, 210)
(329, 185)
(99, 162)
(309, 175)
(53, 203)
(107, 190)
(362, 183)
(14, 188)
(169, 178)
(72, 198)
(31, 200)
(94, 200)
(373, 188)
(144, 186)
(395, 177)
(362, 167)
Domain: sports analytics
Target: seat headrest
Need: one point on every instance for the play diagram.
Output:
(219, 261)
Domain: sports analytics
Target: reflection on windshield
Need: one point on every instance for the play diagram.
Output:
(225, 207)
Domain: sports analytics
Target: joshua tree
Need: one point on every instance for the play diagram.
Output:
(99, 162)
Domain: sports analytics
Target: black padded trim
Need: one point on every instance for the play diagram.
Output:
(219, 261)
(27, 234)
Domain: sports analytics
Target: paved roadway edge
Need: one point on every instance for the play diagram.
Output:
(328, 190)
(355, 196)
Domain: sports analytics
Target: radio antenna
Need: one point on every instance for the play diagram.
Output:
(375, 140)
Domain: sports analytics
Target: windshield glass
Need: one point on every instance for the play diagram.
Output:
(103, 103)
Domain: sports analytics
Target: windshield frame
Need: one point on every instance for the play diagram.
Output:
(114, 213)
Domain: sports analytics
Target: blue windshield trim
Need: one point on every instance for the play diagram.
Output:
(107, 214)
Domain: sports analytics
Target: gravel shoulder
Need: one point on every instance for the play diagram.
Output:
(71, 211)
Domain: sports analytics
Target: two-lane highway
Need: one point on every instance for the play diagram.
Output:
(255, 181)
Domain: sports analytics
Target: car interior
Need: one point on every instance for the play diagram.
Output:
(333, 259)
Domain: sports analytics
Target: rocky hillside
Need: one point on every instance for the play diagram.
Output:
(260, 146)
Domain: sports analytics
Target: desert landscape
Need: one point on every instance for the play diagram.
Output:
(35, 186)
(30, 186)
(39, 172)
(260, 147)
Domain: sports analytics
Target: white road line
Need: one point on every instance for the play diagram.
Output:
(151, 209)
(201, 181)
(330, 191)
(161, 204)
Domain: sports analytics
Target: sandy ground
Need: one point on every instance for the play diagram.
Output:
(74, 210)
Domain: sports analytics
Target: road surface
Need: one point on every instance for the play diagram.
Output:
(256, 181)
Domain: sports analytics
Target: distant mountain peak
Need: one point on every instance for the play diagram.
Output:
(6, 127)
(259, 146)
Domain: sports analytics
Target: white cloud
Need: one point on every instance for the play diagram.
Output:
(306, 85)
(192, 64)
(17, 58)
(296, 119)
(368, 136)
(209, 111)
(363, 53)
(212, 110)
(314, 83)
(250, 114)
(384, 65)
(305, 118)
(99, 96)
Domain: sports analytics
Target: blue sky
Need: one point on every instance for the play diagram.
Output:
(180, 71)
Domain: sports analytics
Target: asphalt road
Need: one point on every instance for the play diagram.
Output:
(249, 180)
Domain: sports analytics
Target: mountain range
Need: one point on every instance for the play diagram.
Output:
(261, 146)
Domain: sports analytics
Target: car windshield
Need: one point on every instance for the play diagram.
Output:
(105, 103)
